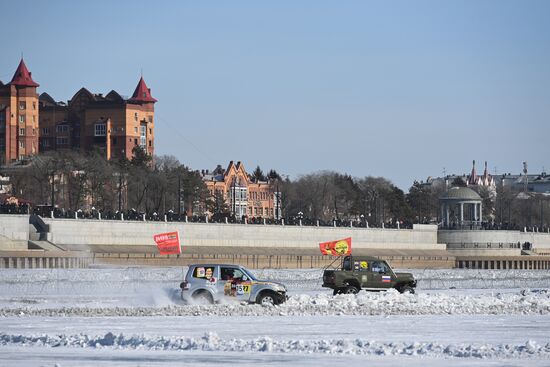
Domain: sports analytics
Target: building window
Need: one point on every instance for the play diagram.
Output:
(21, 144)
(150, 144)
(114, 141)
(150, 131)
(34, 105)
(33, 119)
(46, 142)
(143, 136)
(21, 131)
(22, 119)
(135, 141)
(33, 131)
(100, 130)
(135, 129)
(135, 116)
(62, 128)
(150, 118)
(62, 141)
(22, 105)
(45, 131)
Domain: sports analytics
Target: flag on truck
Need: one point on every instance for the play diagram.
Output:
(336, 248)
(168, 243)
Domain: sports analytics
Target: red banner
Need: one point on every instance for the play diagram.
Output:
(168, 243)
(336, 248)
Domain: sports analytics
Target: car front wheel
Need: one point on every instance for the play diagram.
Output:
(267, 299)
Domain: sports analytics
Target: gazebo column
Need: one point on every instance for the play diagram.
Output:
(480, 212)
(447, 214)
(461, 213)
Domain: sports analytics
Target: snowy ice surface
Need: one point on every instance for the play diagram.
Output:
(133, 316)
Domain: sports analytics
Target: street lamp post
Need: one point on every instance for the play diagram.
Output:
(277, 201)
(179, 195)
(233, 194)
(541, 214)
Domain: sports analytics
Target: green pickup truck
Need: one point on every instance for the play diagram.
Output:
(368, 273)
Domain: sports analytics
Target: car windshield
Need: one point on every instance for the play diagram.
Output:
(249, 274)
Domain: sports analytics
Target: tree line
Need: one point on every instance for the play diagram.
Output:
(72, 181)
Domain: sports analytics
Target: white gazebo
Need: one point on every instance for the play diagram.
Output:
(461, 207)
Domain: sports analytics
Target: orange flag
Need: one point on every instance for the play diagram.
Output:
(168, 243)
(336, 248)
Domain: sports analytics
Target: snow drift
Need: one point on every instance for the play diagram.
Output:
(213, 343)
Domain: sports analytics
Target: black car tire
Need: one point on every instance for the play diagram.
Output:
(337, 291)
(203, 298)
(351, 289)
(406, 289)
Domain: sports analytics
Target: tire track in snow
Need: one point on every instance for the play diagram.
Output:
(387, 303)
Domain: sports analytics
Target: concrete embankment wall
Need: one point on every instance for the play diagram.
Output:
(263, 261)
(14, 232)
(257, 246)
(504, 262)
(108, 236)
(44, 259)
(506, 242)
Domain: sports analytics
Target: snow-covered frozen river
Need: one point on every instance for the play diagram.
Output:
(132, 317)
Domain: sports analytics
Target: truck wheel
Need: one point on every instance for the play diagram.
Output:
(351, 289)
(337, 291)
(406, 289)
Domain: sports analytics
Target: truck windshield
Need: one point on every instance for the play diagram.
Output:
(346, 265)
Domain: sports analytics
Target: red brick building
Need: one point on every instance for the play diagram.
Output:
(18, 116)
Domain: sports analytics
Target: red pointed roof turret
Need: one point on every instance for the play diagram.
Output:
(472, 180)
(142, 94)
(22, 77)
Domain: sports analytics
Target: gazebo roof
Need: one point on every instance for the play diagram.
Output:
(461, 193)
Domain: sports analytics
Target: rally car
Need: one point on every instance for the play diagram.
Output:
(210, 283)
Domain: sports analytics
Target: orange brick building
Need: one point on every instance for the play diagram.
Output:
(243, 195)
(18, 116)
(110, 123)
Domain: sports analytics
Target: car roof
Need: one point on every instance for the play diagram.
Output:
(209, 265)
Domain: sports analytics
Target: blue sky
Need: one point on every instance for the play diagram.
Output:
(399, 89)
